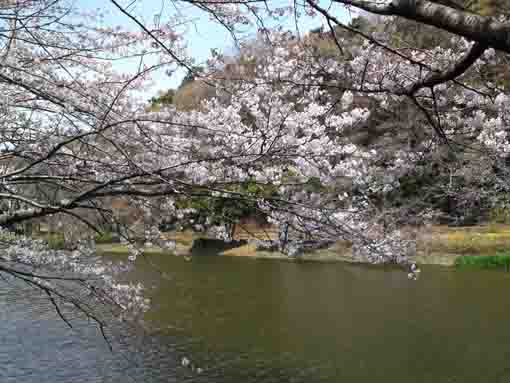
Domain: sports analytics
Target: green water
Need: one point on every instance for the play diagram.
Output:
(243, 320)
(269, 321)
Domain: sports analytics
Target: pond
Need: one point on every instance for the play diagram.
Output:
(245, 320)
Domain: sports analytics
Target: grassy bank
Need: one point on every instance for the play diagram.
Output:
(454, 246)
(339, 252)
(437, 245)
(498, 261)
(121, 250)
(476, 240)
(183, 241)
(476, 246)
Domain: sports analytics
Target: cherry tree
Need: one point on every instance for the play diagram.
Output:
(68, 140)
(293, 121)
(336, 135)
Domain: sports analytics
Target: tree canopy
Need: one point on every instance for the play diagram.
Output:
(396, 118)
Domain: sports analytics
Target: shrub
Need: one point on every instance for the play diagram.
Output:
(500, 214)
(106, 237)
(55, 241)
(500, 260)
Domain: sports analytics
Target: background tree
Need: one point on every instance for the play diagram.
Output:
(365, 111)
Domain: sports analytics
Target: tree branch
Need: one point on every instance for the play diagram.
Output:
(435, 75)
(455, 71)
(483, 29)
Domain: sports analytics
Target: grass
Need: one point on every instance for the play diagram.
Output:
(441, 245)
(476, 246)
(341, 250)
(184, 238)
(106, 237)
(55, 240)
(501, 260)
(119, 249)
(251, 231)
(249, 250)
(476, 240)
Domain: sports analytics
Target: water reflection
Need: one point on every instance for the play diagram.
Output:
(37, 346)
(243, 320)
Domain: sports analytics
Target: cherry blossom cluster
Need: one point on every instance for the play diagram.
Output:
(335, 135)
(70, 275)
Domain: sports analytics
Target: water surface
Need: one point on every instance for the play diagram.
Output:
(246, 320)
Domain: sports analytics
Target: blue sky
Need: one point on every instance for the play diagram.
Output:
(201, 34)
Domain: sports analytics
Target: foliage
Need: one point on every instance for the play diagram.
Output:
(191, 95)
(500, 214)
(166, 98)
(225, 208)
(338, 135)
(194, 72)
(500, 260)
(489, 7)
(483, 241)
(105, 237)
(81, 282)
(122, 250)
(55, 241)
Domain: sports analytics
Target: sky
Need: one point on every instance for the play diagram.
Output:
(201, 34)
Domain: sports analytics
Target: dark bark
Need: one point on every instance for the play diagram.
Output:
(482, 29)
(451, 74)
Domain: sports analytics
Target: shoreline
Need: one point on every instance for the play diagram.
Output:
(321, 256)
(437, 245)
(331, 256)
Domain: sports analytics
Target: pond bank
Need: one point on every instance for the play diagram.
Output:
(337, 253)
(437, 245)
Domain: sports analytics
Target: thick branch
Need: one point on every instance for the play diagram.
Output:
(485, 30)
(435, 77)
(451, 74)
(24, 215)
